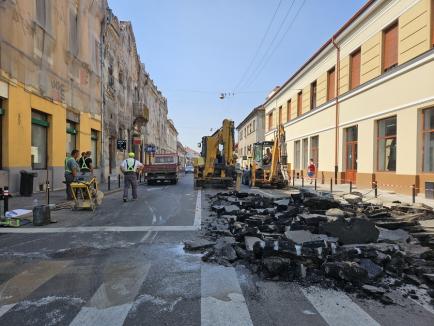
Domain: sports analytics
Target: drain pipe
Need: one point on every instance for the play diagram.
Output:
(338, 66)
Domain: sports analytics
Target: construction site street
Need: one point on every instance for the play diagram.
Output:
(125, 264)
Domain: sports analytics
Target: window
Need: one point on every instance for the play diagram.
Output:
(428, 140)
(43, 14)
(288, 110)
(94, 147)
(270, 121)
(305, 152)
(39, 140)
(299, 103)
(432, 22)
(280, 115)
(314, 149)
(254, 125)
(73, 31)
(313, 95)
(297, 155)
(331, 84)
(355, 69)
(71, 137)
(390, 47)
(386, 144)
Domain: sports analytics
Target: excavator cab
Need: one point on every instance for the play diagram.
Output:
(269, 167)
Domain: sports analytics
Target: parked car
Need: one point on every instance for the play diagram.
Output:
(189, 169)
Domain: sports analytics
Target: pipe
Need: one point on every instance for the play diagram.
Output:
(338, 68)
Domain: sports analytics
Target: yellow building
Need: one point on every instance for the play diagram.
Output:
(49, 87)
(363, 105)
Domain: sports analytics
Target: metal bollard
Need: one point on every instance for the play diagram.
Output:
(331, 185)
(315, 184)
(413, 193)
(6, 199)
(48, 192)
(375, 189)
(108, 183)
(302, 181)
(119, 180)
(351, 187)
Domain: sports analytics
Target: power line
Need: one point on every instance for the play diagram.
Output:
(264, 64)
(282, 24)
(259, 47)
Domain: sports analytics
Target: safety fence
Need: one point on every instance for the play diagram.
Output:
(375, 185)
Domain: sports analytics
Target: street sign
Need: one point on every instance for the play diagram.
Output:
(122, 144)
(137, 140)
(150, 149)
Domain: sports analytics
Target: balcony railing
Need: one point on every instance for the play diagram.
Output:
(140, 110)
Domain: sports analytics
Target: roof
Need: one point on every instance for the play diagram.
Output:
(327, 43)
(251, 115)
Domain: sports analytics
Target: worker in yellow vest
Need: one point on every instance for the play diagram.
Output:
(129, 168)
(71, 171)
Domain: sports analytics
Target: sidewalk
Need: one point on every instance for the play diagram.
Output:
(57, 196)
(384, 196)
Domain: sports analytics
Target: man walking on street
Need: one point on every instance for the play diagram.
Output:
(129, 167)
(71, 171)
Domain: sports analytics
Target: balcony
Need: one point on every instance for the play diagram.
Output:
(141, 111)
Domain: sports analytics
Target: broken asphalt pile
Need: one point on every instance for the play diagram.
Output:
(347, 244)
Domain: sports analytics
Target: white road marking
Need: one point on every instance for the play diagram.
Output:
(21, 285)
(222, 301)
(337, 308)
(83, 229)
(151, 189)
(145, 237)
(198, 211)
(113, 300)
(153, 238)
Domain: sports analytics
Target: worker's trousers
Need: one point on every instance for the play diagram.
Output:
(69, 178)
(130, 179)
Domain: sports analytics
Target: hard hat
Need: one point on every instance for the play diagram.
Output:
(131, 154)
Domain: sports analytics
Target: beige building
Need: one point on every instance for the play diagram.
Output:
(251, 130)
(50, 90)
(363, 105)
(172, 137)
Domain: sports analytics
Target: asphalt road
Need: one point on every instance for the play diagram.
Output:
(125, 265)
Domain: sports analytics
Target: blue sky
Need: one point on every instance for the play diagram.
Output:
(196, 49)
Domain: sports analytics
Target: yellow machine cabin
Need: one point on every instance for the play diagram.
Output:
(216, 165)
(269, 166)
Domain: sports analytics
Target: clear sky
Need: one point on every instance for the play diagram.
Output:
(196, 49)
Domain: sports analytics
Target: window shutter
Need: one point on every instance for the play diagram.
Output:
(288, 110)
(355, 69)
(331, 82)
(299, 103)
(390, 48)
(432, 22)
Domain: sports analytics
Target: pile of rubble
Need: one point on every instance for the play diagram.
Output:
(346, 243)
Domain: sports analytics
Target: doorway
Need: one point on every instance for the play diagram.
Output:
(351, 154)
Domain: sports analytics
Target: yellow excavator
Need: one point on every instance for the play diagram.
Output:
(216, 164)
(269, 167)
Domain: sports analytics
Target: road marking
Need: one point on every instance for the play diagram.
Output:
(337, 308)
(222, 301)
(113, 300)
(198, 211)
(145, 237)
(23, 284)
(153, 238)
(83, 229)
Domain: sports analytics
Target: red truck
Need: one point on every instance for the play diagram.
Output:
(164, 168)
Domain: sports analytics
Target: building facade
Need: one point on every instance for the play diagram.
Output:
(172, 137)
(363, 105)
(251, 130)
(50, 90)
(71, 78)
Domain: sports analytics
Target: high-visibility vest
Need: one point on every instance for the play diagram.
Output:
(83, 164)
(131, 164)
(66, 164)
